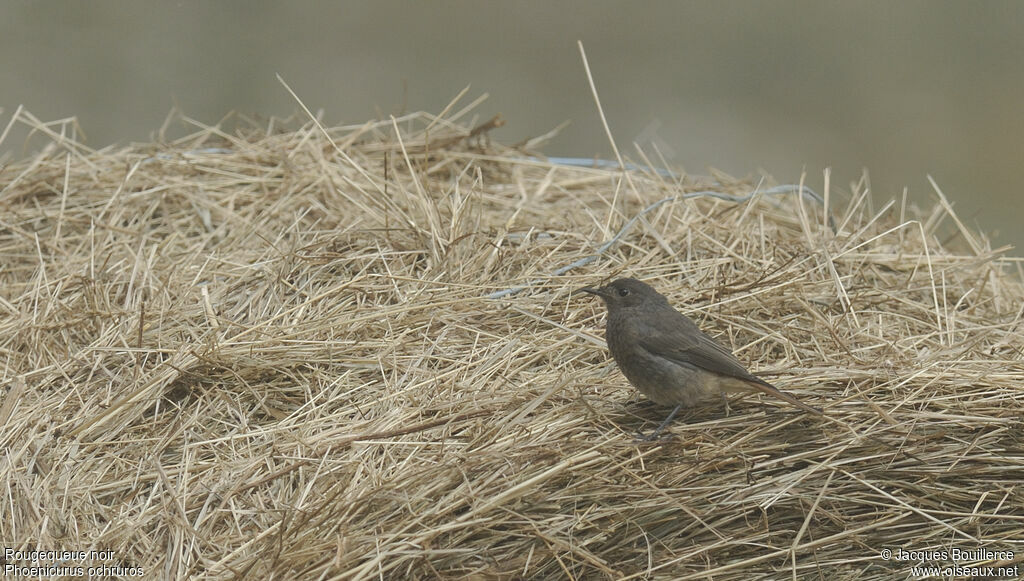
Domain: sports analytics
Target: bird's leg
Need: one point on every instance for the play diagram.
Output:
(654, 435)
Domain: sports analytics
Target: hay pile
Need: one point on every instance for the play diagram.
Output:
(270, 354)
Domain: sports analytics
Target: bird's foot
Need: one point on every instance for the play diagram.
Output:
(654, 435)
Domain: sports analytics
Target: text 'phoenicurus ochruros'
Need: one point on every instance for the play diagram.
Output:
(664, 355)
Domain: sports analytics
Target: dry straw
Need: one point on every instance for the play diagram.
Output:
(269, 354)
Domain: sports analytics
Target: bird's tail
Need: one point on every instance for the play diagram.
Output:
(767, 388)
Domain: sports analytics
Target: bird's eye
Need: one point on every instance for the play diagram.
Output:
(623, 292)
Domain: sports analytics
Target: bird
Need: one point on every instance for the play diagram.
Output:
(667, 357)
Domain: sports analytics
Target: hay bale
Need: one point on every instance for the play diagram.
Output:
(271, 354)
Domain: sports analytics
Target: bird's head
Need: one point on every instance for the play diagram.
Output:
(626, 293)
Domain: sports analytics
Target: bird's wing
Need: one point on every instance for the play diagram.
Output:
(677, 338)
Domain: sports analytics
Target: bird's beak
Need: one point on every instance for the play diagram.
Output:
(594, 291)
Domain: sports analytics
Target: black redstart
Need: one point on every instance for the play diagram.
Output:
(664, 355)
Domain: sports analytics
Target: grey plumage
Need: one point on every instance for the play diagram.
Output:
(664, 355)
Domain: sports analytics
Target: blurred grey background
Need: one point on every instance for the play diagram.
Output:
(901, 89)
